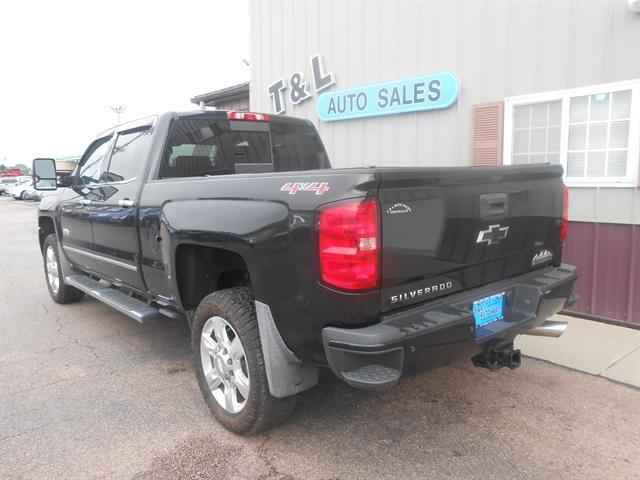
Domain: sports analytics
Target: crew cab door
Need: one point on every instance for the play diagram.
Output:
(74, 207)
(114, 215)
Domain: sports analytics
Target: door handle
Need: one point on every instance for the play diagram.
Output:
(85, 201)
(494, 206)
(125, 202)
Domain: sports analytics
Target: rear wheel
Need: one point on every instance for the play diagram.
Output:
(229, 363)
(59, 291)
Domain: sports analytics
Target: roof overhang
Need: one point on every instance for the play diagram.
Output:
(225, 94)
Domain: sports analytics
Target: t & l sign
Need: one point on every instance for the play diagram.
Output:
(298, 87)
(424, 92)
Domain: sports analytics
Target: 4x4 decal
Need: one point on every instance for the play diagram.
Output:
(318, 187)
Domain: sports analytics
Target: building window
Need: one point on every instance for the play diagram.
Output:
(593, 132)
(599, 135)
(536, 132)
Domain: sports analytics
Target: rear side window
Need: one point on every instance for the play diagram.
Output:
(203, 147)
(297, 147)
(127, 156)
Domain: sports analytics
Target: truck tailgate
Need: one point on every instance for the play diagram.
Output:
(451, 229)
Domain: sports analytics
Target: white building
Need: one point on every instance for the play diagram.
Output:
(537, 81)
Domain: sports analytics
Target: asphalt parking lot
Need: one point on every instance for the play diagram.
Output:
(86, 392)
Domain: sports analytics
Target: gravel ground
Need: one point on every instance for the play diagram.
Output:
(87, 393)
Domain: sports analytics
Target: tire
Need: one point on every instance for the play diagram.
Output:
(259, 410)
(22, 195)
(59, 291)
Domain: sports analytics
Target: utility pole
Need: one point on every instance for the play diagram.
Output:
(118, 110)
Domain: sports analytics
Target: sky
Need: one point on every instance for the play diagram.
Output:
(63, 64)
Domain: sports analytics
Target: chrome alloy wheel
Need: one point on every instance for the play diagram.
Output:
(53, 276)
(224, 364)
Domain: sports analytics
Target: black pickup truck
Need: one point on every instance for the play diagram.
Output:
(235, 222)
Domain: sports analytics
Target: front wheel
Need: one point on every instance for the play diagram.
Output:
(59, 291)
(229, 363)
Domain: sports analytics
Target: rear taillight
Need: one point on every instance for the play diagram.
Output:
(251, 116)
(348, 241)
(565, 214)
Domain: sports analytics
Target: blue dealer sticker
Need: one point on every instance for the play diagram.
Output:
(489, 309)
(426, 92)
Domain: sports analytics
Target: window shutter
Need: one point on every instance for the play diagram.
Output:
(486, 133)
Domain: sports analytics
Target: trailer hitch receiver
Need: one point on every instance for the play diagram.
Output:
(495, 358)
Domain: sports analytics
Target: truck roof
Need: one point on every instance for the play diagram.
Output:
(207, 112)
(223, 115)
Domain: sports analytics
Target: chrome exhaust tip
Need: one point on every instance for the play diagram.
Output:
(549, 329)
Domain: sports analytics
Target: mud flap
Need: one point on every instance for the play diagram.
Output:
(286, 374)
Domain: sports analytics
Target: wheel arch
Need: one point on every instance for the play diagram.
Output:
(204, 269)
(46, 226)
(211, 244)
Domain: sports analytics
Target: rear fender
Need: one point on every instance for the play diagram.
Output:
(253, 229)
(245, 227)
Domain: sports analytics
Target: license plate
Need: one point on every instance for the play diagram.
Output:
(488, 309)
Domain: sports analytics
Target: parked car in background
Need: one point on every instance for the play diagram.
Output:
(32, 194)
(21, 190)
(6, 183)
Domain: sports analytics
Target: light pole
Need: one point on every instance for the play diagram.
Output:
(118, 110)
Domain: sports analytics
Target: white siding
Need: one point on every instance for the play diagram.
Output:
(239, 104)
(497, 48)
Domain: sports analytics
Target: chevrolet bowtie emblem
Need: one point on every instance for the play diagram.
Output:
(492, 235)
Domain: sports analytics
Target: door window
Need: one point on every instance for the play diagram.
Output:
(91, 168)
(127, 156)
